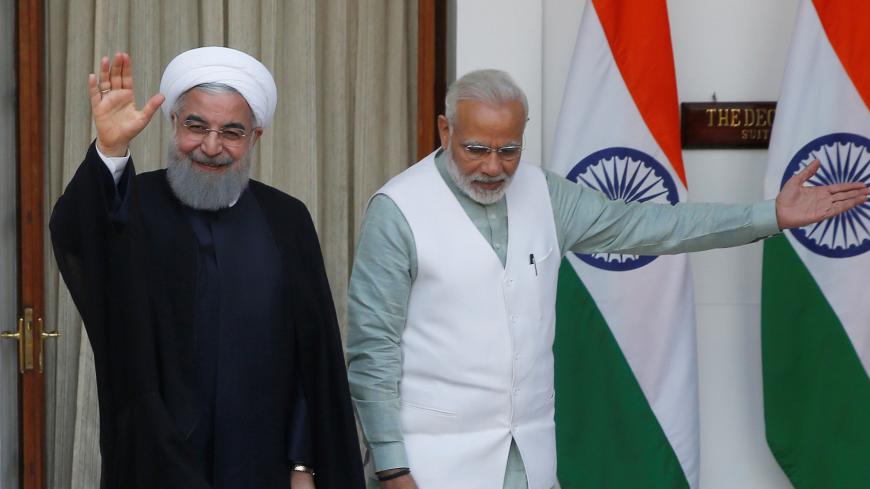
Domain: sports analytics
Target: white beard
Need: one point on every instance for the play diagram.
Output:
(201, 189)
(465, 182)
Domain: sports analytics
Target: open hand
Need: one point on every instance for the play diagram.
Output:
(798, 206)
(113, 105)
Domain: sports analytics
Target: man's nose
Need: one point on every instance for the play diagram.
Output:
(491, 165)
(211, 144)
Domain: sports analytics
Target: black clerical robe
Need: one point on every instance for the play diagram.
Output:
(133, 258)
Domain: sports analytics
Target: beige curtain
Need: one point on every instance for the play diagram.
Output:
(346, 76)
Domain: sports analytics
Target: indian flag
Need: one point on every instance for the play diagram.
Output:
(626, 375)
(816, 280)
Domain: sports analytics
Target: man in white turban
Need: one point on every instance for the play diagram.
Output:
(217, 350)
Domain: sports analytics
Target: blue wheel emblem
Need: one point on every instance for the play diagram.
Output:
(844, 158)
(624, 174)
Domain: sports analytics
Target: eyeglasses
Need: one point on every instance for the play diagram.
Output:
(230, 136)
(510, 152)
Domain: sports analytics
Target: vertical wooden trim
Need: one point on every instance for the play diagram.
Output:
(30, 229)
(431, 72)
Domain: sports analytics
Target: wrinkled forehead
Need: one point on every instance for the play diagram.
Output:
(219, 106)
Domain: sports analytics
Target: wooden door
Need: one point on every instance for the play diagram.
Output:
(28, 333)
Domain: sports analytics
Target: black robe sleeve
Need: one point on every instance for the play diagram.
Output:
(320, 359)
(95, 234)
(298, 430)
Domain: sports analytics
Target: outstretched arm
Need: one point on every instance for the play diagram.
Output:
(113, 105)
(798, 206)
(588, 222)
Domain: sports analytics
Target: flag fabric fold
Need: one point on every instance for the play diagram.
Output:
(816, 279)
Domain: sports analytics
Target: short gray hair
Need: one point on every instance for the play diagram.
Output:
(212, 88)
(493, 87)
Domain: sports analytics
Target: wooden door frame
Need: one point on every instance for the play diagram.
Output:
(431, 72)
(30, 78)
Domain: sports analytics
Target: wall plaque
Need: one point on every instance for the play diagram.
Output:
(726, 124)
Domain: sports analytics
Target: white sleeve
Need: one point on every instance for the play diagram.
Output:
(115, 164)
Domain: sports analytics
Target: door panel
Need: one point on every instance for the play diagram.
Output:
(28, 232)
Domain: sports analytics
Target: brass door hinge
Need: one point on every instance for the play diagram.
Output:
(25, 336)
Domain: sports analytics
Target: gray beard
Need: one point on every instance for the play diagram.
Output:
(201, 189)
(466, 183)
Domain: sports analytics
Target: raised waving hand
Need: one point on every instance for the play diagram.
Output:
(113, 105)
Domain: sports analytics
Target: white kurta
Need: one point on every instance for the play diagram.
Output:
(477, 347)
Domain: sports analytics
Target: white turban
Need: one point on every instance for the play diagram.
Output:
(215, 64)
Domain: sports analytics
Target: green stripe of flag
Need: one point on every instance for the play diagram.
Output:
(606, 433)
(816, 392)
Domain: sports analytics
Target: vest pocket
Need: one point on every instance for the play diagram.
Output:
(538, 261)
(545, 255)
(419, 419)
(540, 264)
(427, 409)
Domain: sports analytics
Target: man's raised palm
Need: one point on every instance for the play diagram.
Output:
(113, 104)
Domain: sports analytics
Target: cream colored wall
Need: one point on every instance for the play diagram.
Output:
(736, 48)
(740, 57)
(481, 42)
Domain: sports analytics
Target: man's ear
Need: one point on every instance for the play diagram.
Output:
(255, 136)
(443, 131)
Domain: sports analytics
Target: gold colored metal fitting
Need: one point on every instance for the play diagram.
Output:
(25, 337)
